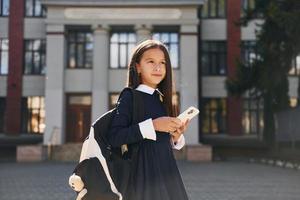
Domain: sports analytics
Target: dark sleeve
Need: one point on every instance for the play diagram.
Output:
(122, 130)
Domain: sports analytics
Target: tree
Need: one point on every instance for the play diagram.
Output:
(278, 43)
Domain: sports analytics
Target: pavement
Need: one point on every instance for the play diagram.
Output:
(231, 180)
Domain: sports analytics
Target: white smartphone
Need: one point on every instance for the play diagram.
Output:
(189, 113)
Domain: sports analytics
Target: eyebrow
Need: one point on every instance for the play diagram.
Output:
(153, 58)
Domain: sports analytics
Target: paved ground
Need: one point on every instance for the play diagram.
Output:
(204, 181)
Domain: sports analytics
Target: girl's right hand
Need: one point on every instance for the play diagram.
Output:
(166, 124)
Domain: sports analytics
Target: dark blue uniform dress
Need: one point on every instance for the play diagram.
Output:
(155, 176)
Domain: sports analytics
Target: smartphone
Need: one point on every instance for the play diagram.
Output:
(189, 113)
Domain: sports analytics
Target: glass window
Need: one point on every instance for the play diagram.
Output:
(214, 58)
(214, 115)
(252, 120)
(34, 8)
(4, 7)
(122, 43)
(3, 56)
(113, 98)
(248, 5)
(35, 57)
(295, 69)
(214, 9)
(171, 40)
(2, 110)
(33, 115)
(249, 54)
(79, 48)
(293, 102)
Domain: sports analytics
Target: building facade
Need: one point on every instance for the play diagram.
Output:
(63, 63)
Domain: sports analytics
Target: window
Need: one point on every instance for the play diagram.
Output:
(2, 110)
(248, 5)
(293, 102)
(214, 9)
(34, 8)
(113, 98)
(249, 54)
(295, 69)
(33, 115)
(3, 56)
(252, 120)
(35, 57)
(79, 47)
(171, 40)
(214, 115)
(122, 43)
(4, 7)
(214, 59)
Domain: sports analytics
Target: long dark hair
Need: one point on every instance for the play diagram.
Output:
(166, 85)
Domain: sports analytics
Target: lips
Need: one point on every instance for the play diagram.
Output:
(158, 75)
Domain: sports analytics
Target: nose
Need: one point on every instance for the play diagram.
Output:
(157, 67)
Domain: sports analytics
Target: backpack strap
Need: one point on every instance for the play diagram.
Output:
(137, 107)
(138, 111)
(137, 104)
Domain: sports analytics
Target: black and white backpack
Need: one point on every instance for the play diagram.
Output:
(104, 170)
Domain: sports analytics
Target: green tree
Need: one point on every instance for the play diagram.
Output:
(278, 43)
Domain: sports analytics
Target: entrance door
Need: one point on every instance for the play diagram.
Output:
(78, 117)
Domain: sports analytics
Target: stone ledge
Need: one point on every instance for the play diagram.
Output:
(31, 153)
(199, 152)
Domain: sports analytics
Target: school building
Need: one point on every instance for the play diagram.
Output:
(63, 63)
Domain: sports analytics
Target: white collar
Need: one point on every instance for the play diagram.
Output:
(147, 89)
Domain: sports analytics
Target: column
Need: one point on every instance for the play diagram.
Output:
(188, 81)
(15, 72)
(143, 32)
(54, 94)
(100, 71)
(233, 52)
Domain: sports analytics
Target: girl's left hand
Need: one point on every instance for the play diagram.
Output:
(176, 134)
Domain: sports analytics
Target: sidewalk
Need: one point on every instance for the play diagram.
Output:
(204, 181)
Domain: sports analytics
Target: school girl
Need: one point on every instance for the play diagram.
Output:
(155, 176)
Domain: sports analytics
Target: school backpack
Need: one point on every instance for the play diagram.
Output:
(104, 170)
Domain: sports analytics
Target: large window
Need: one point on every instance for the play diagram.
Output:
(293, 102)
(249, 54)
(295, 69)
(122, 43)
(4, 7)
(214, 59)
(171, 40)
(79, 47)
(35, 57)
(248, 5)
(34, 8)
(214, 9)
(3, 56)
(252, 121)
(214, 115)
(33, 115)
(2, 110)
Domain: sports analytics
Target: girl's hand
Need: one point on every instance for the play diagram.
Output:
(176, 134)
(167, 124)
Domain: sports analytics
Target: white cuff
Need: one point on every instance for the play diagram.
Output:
(179, 144)
(147, 129)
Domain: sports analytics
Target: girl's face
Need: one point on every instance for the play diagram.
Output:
(152, 67)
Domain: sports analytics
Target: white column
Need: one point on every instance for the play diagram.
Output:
(143, 32)
(100, 71)
(54, 94)
(189, 77)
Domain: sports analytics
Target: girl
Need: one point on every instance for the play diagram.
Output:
(155, 176)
